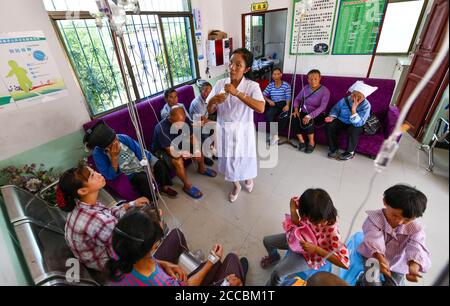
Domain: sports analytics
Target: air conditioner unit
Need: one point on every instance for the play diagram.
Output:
(219, 51)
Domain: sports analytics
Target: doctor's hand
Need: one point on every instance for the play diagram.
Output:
(218, 99)
(229, 88)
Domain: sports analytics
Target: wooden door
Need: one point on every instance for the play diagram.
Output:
(430, 42)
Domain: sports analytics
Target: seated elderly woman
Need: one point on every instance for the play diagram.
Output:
(167, 133)
(309, 110)
(144, 258)
(349, 114)
(120, 154)
(278, 96)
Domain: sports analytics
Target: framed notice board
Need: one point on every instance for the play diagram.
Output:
(315, 29)
(358, 26)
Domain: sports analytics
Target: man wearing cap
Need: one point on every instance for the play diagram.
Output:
(349, 114)
(116, 154)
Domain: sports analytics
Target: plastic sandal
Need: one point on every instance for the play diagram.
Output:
(209, 173)
(249, 187)
(194, 192)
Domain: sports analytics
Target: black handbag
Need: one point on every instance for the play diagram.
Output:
(373, 124)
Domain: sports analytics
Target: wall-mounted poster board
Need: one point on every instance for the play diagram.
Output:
(315, 29)
(28, 69)
(358, 26)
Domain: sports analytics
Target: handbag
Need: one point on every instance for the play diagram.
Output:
(373, 124)
(298, 233)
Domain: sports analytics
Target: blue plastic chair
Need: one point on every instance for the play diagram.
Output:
(356, 263)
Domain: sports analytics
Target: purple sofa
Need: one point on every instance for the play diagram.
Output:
(380, 101)
(149, 113)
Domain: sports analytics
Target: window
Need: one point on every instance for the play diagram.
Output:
(159, 45)
(400, 26)
(94, 60)
(145, 5)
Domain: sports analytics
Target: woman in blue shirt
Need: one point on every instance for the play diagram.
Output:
(115, 155)
(349, 114)
(278, 96)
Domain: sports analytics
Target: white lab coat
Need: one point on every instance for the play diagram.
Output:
(236, 137)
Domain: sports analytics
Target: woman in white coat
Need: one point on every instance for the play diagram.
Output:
(235, 99)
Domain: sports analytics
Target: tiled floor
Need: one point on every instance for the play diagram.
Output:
(240, 227)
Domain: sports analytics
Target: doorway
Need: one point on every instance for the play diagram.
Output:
(431, 40)
(264, 33)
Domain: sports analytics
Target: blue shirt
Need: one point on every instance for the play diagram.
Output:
(283, 93)
(104, 165)
(198, 107)
(162, 138)
(342, 112)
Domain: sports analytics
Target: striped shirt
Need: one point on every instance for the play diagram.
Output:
(399, 245)
(158, 278)
(278, 94)
(88, 233)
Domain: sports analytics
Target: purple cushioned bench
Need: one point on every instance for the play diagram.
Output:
(380, 100)
(149, 113)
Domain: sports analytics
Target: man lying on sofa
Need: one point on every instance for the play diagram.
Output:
(164, 146)
(116, 154)
(349, 114)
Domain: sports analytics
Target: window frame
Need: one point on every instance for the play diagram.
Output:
(56, 16)
(416, 31)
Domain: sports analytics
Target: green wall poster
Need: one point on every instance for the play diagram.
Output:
(358, 26)
(315, 28)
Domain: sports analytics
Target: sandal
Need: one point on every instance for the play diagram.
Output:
(209, 173)
(194, 192)
(249, 187)
(268, 261)
(170, 193)
(233, 197)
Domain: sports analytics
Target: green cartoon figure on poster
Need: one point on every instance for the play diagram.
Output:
(21, 74)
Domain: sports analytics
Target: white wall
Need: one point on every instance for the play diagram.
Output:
(337, 65)
(212, 19)
(26, 128)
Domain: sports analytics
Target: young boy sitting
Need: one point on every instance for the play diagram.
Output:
(395, 240)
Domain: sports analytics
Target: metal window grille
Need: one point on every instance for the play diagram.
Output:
(160, 48)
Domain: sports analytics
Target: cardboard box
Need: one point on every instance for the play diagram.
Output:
(216, 35)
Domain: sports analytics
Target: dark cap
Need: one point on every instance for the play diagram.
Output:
(100, 135)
